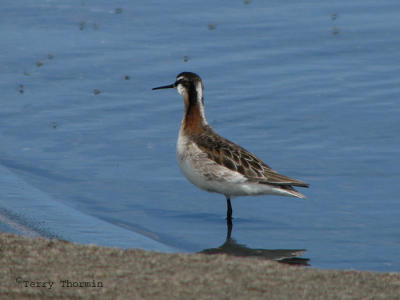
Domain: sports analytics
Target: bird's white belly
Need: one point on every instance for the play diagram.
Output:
(210, 179)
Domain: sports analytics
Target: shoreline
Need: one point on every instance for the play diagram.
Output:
(33, 268)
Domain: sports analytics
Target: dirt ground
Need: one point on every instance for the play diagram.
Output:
(53, 269)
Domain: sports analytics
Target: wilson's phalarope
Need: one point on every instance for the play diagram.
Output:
(214, 163)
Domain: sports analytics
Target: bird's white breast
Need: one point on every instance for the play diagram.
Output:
(189, 158)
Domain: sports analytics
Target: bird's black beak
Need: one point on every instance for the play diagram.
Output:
(171, 86)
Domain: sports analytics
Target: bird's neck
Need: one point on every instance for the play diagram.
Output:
(194, 119)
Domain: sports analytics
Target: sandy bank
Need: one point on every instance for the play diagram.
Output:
(53, 269)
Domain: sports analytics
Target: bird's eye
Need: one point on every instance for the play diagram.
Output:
(179, 81)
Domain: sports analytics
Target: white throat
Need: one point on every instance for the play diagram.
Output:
(181, 90)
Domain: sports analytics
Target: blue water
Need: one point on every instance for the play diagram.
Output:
(88, 150)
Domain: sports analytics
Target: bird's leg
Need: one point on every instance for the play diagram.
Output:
(229, 211)
(229, 226)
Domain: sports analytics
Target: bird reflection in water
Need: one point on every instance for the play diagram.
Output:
(231, 247)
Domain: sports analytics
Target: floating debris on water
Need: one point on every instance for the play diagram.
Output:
(127, 77)
(185, 58)
(82, 25)
(39, 63)
(212, 26)
(21, 88)
(335, 30)
(118, 10)
(96, 91)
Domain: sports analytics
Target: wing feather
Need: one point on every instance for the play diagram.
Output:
(236, 158)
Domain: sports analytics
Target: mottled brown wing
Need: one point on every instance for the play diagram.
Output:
(236, 158)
